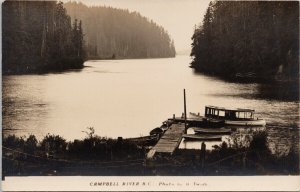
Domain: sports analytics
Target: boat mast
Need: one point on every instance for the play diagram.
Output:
(185, 130)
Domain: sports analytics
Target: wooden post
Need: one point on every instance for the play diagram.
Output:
(202, 154)
(184, 111)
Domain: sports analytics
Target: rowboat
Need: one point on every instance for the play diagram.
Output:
(212, 130)
(192, 137)
(156, 131)
(242, 117)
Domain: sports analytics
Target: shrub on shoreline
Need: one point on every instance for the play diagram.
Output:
(250, 156)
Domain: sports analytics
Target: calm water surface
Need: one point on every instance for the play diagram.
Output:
(131, 97)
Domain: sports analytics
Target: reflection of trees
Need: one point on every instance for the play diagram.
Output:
(286, 91)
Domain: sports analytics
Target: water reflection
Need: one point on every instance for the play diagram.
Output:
(283, 91)
(276, 90)
(129, 98)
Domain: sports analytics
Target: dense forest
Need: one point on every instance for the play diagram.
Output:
(117, 33)
(258, 39)
(38, 36)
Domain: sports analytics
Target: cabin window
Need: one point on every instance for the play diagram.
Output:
(216, 112)
(222, 113)
(207, 111)
(248, 115)
(230, 114)
(242, 115)
(227, 114)
(233, 115)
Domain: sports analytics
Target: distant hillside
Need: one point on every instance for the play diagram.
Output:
(258, 39)
(117, 33)
(37, 36)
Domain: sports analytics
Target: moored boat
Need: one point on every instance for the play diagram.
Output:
(156, 131)
(255, 122)
(212, 130)
(192, 137)
(242, 117)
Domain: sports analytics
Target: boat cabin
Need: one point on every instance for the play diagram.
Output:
(229, 114)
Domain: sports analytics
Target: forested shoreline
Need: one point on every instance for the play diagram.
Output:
(112, 33)
(46, 36)
(255, 40)
(38, 37)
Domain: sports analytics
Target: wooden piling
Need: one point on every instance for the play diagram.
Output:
(202, 154)
(185, 131)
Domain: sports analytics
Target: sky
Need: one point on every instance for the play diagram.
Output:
(178, 17)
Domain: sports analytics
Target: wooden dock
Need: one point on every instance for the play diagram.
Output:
(169, 142)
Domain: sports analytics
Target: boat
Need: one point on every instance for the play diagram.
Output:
(212, 130)
(207, 122)
(157, 131)
(242, 117)
(214, 122)
(192, 137)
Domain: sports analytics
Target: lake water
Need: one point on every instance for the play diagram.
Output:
(129, 98)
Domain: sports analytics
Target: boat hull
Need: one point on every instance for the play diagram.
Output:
(191, 137)
(215, 131)
(258, 122)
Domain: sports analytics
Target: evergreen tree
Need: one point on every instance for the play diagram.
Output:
(109, 31)
(38, 37)
(248, 37)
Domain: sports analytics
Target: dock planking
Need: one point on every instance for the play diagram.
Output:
(170, 140)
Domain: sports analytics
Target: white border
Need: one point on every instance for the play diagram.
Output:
(156, 183)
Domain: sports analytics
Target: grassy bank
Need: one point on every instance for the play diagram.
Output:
(97, 155)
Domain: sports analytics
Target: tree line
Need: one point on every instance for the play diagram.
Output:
(38, 37)
(117, 33)
(258, 39)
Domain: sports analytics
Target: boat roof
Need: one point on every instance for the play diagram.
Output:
(231, 109)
